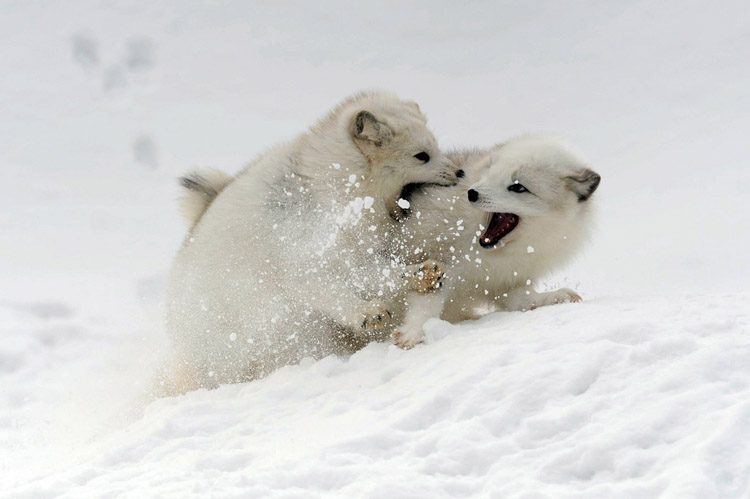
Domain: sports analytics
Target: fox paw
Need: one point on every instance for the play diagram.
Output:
(425, 277)
(406, 341)
(562, 295)
(375, 317)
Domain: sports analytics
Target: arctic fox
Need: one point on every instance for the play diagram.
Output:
(523, 209)
(288, 259)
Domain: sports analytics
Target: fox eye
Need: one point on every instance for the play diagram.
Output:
(517, 188)
(422, 156)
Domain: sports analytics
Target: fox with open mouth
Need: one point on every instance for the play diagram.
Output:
(522, 210)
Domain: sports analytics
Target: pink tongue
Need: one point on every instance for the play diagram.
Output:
(500, 225)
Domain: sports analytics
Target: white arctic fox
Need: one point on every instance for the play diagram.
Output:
(288, 259)
(522, 210)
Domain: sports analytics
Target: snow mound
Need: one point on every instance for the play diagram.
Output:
(617, 397)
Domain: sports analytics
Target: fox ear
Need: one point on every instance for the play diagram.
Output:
(367, 128)
(583, 183)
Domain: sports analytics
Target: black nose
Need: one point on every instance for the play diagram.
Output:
(460, 174)
(473, 195)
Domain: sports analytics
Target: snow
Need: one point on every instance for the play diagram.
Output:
(616, 405)
(642, 390)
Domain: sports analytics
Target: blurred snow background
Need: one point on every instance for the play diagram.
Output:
(104, 103)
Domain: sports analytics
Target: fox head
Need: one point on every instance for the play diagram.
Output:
(532, 186)
(401, 151)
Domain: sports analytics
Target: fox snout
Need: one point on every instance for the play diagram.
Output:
(449, 173)
(473, 196)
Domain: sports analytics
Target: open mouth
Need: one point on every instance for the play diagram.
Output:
(406, 194)
(409, 189)
(499, 226)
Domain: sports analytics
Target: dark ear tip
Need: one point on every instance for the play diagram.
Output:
(584, 184)
(363, 116)
(359, 121)
(592, 179)
(595, 180)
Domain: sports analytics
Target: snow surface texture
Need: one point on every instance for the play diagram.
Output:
(640, 391)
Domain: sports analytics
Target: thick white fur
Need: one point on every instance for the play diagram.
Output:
(553, 225)
(290, 260)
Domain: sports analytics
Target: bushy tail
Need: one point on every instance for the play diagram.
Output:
(199, 189)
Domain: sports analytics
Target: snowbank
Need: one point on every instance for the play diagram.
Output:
(617, 397)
